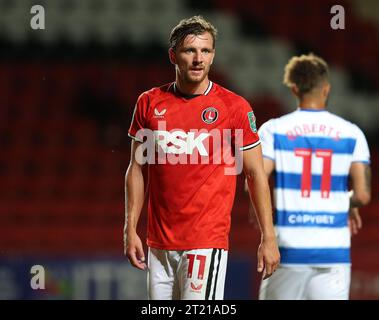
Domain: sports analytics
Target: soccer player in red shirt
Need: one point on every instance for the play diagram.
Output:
(194, 133)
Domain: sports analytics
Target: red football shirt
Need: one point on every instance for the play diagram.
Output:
(190, 196)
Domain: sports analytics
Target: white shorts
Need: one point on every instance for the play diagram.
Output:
(307, 283)
(197, 274)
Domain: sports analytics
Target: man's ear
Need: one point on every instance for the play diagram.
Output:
(171, 55)
(214, 53)
(295, 90)
(326, 90)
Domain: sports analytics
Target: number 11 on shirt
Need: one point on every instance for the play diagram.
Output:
(306, 176)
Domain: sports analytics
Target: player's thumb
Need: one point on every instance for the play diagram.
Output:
(260, 263)
(140, 254)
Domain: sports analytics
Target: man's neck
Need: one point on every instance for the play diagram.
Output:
(312, 104)
(190, 89)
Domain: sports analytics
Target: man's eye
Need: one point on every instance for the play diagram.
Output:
(206, 51)
(189, 50)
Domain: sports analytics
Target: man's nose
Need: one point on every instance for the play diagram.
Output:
(198, 58)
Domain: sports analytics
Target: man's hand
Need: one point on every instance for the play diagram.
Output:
(268, 257)
(133, 249)
(355, 221)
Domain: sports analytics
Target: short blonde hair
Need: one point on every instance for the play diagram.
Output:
(194, 25)
(306, 72)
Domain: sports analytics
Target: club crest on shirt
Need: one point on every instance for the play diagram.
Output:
(253, 125)
(159, 114)
(209, 115)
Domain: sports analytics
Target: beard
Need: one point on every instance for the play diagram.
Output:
(189, 78)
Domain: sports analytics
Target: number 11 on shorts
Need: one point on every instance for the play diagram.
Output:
(191, 258)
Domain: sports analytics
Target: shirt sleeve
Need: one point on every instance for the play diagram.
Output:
(266, 134)
(139, 118)
(246, 135)
(361, 150)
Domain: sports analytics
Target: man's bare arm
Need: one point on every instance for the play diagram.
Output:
(257, 183)
(268, 166)
(134, 198)
(360, 175)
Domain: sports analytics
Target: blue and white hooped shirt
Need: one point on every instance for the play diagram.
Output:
(313, 152)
